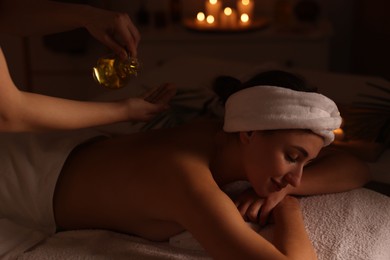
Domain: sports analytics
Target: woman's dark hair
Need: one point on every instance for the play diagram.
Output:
(224, 86)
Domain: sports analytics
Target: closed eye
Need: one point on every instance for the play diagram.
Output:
(291, 159)
(297, 154)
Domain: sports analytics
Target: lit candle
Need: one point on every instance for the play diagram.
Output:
(338, 134)
(200, 19)
(210, 20)
(228, 18)
(245, 20)
(245, 7)
(213, 7)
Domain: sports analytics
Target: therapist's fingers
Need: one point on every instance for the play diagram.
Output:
(168, 92)
(161, 94)
(136, 36)
(113, 44)
(128, 34)
(113, 29)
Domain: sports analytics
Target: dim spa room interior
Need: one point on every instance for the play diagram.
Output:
(341, 48)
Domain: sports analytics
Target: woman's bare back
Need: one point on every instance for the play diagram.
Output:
(133, 183)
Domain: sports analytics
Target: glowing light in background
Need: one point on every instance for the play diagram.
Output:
(210, 19)
(244, 18)
(227, 11)
(200, 16)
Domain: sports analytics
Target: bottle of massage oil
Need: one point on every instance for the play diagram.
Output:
(113, 73)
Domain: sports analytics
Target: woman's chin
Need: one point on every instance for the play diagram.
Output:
(263, 193)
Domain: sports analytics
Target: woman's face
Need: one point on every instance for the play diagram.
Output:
(274, 159)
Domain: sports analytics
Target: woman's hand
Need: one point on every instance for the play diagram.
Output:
(256, 209)
(249, 205)
(113, 29)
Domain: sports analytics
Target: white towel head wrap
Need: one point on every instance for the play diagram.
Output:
(272, 108)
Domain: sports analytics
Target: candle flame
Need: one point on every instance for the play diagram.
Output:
(244, 18)
(200, 16)
(210, 19)
(338, 131)
(338, 134)
(213, 2)
(245, 2)
(227, 11)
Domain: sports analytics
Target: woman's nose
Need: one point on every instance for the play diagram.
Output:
(294, 177)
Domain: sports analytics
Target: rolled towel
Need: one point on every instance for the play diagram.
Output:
(272, 108)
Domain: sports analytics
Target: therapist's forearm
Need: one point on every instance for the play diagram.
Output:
(38, 112)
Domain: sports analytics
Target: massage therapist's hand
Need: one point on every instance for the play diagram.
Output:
(256, 209)
(113, 29)
(151, 103)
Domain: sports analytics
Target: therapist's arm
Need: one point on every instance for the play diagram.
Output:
(24, 111)
(39, 17)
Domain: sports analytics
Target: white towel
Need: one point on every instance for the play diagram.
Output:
(271, 108)
(342, 226)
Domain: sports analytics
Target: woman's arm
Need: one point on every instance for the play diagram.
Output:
(26, 17)
(214, 221)
(24, 111)
(290, 235)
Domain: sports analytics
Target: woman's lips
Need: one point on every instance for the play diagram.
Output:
(278, 186)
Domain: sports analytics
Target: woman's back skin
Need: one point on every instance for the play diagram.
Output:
(138, 180)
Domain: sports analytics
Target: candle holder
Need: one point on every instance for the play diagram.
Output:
(193, 25)
(229, 19)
